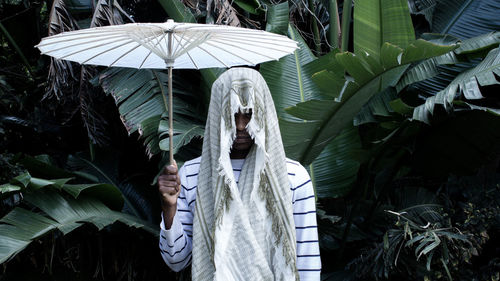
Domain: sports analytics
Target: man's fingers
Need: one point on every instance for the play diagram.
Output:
(171, 170)
(170, 190)
(168, 177)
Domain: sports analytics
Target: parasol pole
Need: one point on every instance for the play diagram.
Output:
(170, 117)
(170, 107)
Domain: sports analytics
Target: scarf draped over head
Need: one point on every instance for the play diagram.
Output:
(243, 231)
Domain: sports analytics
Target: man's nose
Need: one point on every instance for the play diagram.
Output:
(240, 124)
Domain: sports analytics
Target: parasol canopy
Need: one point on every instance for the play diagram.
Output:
(168, 45)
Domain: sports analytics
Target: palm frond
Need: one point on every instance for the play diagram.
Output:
(93, 121)
(108, 12)
(222, 12)
(62, 74)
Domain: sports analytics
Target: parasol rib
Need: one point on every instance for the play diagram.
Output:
(240, 47)
(216, 58)
(120, 57)
(112, 48)
(232, 53)
(192, 60)
(88, 48)
(270, 42)
(79, 43)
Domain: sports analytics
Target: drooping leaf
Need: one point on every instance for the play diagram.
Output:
(6, 188)
(61, 72)
(463, 19)
(370, 78)
(378, 105)
(106, 193)
(37, 183)
(467, 84)
(479, 43)
(20, 227)
(431, 67)
(183, 134)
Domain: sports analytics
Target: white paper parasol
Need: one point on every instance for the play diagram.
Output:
(168, 45)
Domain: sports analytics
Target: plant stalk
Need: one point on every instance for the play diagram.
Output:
(334, 30)
(346, 24)
(316, 38)
(16, 47)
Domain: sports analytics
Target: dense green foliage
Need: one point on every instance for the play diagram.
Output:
(396, 119)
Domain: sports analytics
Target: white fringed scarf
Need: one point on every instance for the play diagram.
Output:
(243, 231)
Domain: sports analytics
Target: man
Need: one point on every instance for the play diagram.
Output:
(241, 211)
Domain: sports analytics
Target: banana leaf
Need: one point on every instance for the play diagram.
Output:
(63, 207)
(432, 67)
(377, 22)
(290, 82)
(466, 18)
(139, 95)
(463, 19)
(367, 78)
(467, 84)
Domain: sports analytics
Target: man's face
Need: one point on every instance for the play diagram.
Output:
(243, 142)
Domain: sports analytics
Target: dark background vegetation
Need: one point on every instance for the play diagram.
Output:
(398, 198)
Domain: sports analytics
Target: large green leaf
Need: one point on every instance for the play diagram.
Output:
(141, 101)
(289, 79)
(111, 188)
(431, 67)
(466, 18)
(378, 105)
(177, 11)
(467, 83)
(463, 19)
(277, 18)
(290, 82)
(367, 78)
(380, 21)
(251, 6)
(335, 169)
(21, 227)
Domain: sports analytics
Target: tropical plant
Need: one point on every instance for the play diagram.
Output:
(350, 115)
(365, 90)
(58, 205)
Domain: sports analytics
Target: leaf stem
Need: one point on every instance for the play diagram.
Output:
(346, 24)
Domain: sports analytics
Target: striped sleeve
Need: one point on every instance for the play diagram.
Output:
(304, 214)
(176, 242)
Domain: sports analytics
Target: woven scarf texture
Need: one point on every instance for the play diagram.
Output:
(243, 231)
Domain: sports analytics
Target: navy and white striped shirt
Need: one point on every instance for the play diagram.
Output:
(176, 243)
